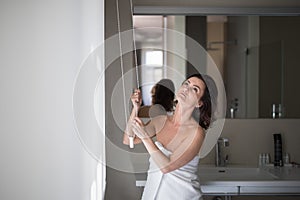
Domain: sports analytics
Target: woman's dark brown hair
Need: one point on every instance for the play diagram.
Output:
(164, 94)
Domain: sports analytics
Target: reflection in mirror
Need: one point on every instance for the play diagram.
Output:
(257, 56)
(151, 43)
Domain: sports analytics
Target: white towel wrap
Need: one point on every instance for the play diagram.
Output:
(179, 184)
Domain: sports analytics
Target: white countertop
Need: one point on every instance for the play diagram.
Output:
(243, 180)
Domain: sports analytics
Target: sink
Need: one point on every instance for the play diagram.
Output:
(234, 174)
(240, 180)
(284, 173)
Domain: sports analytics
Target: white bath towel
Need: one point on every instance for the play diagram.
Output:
(179, 184)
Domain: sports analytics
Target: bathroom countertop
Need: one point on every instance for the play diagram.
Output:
(243, 180)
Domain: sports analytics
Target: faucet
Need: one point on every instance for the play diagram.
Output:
(234, 107)
(221, 159)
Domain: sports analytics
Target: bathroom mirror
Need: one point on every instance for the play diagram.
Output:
(258, 57)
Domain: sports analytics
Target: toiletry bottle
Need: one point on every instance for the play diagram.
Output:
(286, 159)
(277, 150)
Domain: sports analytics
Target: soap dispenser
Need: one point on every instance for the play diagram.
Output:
(277, 150)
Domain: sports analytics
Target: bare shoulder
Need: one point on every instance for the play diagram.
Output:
(159, 120)
(155, 124)
(200, 131)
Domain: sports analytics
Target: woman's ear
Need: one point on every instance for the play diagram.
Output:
(199, 104)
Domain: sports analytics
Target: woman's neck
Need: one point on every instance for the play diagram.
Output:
(182, 117)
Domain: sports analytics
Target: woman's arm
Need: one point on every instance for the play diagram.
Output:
(149, 128)
(136, 100)
(128, 132)
(187, 150)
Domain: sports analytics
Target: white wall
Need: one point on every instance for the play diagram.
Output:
(42, 46)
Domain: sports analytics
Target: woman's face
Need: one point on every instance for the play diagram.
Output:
(191, 92)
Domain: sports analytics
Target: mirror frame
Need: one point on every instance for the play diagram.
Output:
(229, 11)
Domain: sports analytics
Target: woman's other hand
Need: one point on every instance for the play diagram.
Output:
(138, 128)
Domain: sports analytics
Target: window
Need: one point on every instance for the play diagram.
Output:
(152, 72)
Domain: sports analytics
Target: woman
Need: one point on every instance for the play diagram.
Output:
(174, 156)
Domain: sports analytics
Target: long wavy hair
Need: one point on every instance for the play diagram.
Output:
(164, 94)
